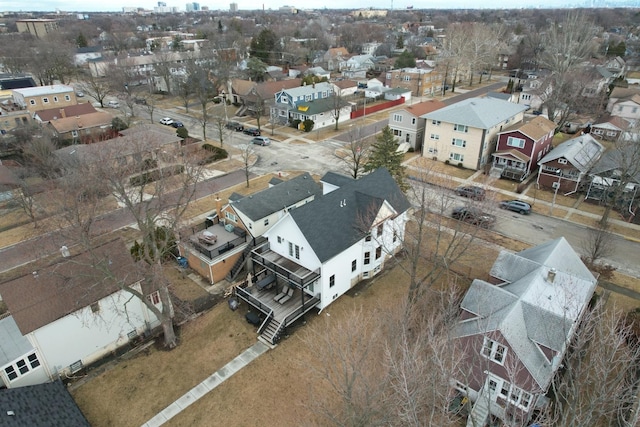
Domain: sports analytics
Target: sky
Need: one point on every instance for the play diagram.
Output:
(116, 5)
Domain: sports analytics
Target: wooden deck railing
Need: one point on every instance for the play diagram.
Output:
(264, 324)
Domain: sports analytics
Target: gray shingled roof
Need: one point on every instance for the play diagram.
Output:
(43, 405)
(529, 310)
(336, 179)
(483, 113)
(12, 343)
(337, 220)
(278, 197)
(582, 152)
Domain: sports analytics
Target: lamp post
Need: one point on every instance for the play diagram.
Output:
(224, 100)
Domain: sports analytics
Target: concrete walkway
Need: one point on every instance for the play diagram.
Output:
(207, 385)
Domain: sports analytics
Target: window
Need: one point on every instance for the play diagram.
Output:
(368, 238)
(332, 281)
(397, 132)
(231, 217)
(290, 249)
(33, 361)
(279, 239)
(354, 264)
(515, 142)
(67, 98)
(413, 121)
(460, 128)
(45, 100)
(432, 150)
(434, 136)
(457, 157)
(459, 142)
(154, 298)
(55, 99)
(435, 122)
(74, 133)
(493, 351)
(22, 366)
(513, 394)
(297, 252)
(395, 236)
(379, 229)
(266, 221)
(367, 258)
(11, 373)
(294, 250)
(406, 78)
(378, 252)
(388, 76)
(562, 161)
(525, 97)
(32, 101)
(397, 118)
(634, 110)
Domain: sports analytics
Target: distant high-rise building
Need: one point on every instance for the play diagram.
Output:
(233, 7)
(40, 28)
(193, 7)
(162, 4)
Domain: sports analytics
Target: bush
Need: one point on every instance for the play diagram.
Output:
(148, 164)
(308, 125)
(295, 123)
(118, 124)
(217, 152)
(154, 175)
(182, 132)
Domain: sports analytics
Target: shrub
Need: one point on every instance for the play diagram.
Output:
(154, 175)
(118, 124)
(295, 123)
(148, 164)
(217, 152)
(182, 132)
(308, 125)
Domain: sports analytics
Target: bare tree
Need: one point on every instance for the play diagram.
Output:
(164, 62)
(337, 103)
(153, 184)
(97, 88)
(220, 129)
(357, 153)
(597, 244)
(247, 154)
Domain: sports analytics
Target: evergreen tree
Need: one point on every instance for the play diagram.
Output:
(81, 40)
(405, 60)
(384, 154)
(263, 45)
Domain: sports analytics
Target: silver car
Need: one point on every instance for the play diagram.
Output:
(261, 140)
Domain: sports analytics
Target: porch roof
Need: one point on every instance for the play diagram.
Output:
(512, 154)
(283, 266)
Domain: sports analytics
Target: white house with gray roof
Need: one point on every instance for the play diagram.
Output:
(515, 328)
(320, 250)
(465, 133)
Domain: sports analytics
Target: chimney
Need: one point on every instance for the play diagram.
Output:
(219, 207)
(551, 275)
(63, 114)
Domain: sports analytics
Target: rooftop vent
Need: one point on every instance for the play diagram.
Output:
(551, 275)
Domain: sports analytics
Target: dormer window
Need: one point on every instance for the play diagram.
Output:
(494, 351)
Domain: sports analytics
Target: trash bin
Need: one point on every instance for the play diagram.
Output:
(182, 262)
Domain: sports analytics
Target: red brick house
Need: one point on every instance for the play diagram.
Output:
(565, 167)
(514, 330)
(521, 146)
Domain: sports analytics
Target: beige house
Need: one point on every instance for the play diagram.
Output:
(421, 82)
(40, 28)
(44, 97)
(466, 132)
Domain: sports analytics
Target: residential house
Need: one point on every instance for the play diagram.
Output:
(39, 28)
(521, 146)
(345, 88)
(503, 96)
(421, 82)
(596, 81)
(531, 93)
(11, 114)
(332, 58)
(40, 405)
(565, 167)
(625, 102)
(616, 66)
(320, 250)
(80, 123)
(318, 72)
(45, 116)
(69, 314)
(408, 124)
(84, 54)
(370, 48)
(8, 82)
(466, 132)
(357, 66)
(515, 329)
(609, 128)
(613, 169)
(258, 97)
(43, 97)
(217, 248)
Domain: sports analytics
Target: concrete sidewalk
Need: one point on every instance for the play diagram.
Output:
(207, 385)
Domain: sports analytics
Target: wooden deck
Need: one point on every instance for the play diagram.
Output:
(266, 302)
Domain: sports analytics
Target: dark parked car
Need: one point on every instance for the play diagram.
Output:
(177, 124)
(517, 206)
(473, 216)
(140, 101)
(471, 191)
(238, 127)
(251, 131)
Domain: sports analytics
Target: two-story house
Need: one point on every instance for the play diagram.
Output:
(466, 132)
(565, 167)
(625, 102)
(70, 314)
(521, 146)
(421, 82)
(77, 123)
(44, 97)
(319, 251)
(408, 124)
(609, 128)
(515, 328)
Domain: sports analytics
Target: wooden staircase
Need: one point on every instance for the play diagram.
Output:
(271, 330)
(480, 411)
(237, 267)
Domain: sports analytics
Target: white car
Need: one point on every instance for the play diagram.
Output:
(166, 121)
(113, 104)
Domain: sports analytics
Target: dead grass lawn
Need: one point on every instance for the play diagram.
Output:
(430, 165)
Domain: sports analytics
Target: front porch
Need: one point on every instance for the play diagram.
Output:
(280, 289)
(510, 164)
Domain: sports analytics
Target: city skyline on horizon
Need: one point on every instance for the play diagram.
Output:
(73, 6)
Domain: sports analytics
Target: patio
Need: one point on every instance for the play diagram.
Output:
(215, 240)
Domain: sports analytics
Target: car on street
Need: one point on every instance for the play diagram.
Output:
(177, 124)
(238, 127)
(166, 121)
(80, 94)
(113, 104)
(261, 140)
(251, 131)
(519, 206)
(473, 216)
(471, 191)
(140, 101)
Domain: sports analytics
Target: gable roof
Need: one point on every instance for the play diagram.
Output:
(320, 105)
(309, 89)
(42, 405)
(425, 107)
(59, 289)
(624, 93)
(339, 219)
(86, 121)
(483, 113)
(278, 197)
(529, 309)
(68, 111)
(612, 123)
(582, 152)
(535, 128)
(613, 160)
(43, 90)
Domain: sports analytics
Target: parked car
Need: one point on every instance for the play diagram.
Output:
(519, 206)
(473, 216)
(140, 101)
(251, 131)
(80, 94)
(471, 191)
(113, 104)
(261, 140)
(238, 127)
(166, 121)
(176, 124)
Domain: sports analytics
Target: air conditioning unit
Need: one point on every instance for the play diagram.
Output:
(555, 185)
